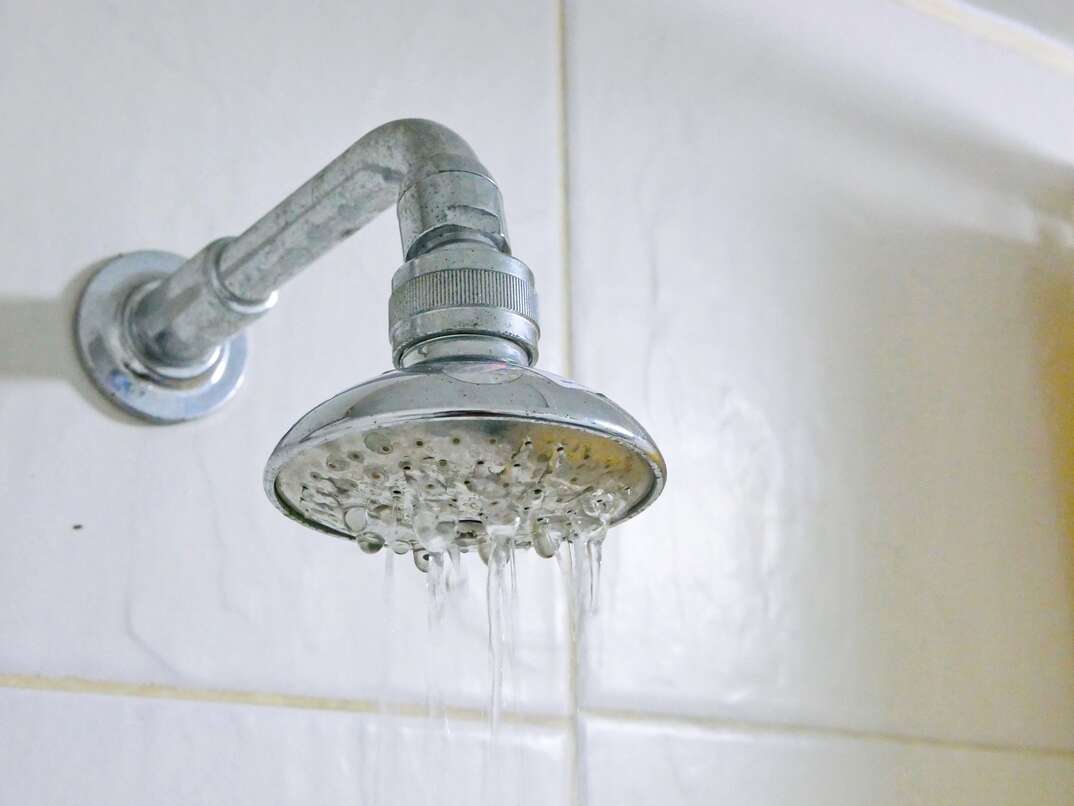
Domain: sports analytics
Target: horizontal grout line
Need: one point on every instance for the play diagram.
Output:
(790, 728)
(1010, 35)
(79, 685)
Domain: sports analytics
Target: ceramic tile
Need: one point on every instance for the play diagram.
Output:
(838, 293)
(1044, 25)
(632, 765)
(152, 554)
(78, 748)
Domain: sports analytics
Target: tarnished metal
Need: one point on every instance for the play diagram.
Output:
(483, 439)
(448, 207)
(464, 444)
(446, 199)
(134, 381)
(187, 316)
(463, 289)
(356, 186)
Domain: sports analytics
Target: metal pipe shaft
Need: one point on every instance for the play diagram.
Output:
(216, 293)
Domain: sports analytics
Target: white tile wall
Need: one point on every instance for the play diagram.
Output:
(1031, 18)
(822, 250)
(650, 764)
(165, 128)
(58, 748)
(826, 257)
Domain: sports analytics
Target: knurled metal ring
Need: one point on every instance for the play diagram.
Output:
(463, 290)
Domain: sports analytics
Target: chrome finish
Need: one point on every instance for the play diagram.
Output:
(366, 448)
(447, 200)
(346, 195)
(461, 446)
(451, 205)
(187, 316)
(119, 366)
(463, 289)
(478, 348)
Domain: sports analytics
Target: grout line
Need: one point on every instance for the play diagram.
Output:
(575, 770)
(564, 193)
(831, 732)
(153, 691)
(78, 685)
(1000, 31)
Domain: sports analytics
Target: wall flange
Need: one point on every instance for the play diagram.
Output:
(145, 388)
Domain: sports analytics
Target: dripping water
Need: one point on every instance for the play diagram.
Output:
(579, 563)
(384, 749)
(502, 608)
(437, 497)
(438, 572)
(498, 593)
(436, 586)
(511, 659)
(565, 561)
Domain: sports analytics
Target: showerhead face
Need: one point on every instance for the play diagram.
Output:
(458, 454)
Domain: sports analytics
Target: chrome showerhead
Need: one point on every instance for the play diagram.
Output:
(463, 445)
(458, 452)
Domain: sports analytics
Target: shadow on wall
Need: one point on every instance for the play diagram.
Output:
(1053, 293)
(38, 341)
(1031, 198)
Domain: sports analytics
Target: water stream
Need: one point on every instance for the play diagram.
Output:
(449, 498)
(379, 771)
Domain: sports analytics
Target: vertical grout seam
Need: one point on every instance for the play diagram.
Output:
(575, 770)
(567, 306)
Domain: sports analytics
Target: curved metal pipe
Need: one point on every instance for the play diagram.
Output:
(180, 323)
(361, 182)
(162, 336)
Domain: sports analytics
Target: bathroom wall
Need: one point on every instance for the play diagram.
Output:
(824, 251)
(1034, 21)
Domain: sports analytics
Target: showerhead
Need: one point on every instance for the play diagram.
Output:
(464, 445)
(462, 452)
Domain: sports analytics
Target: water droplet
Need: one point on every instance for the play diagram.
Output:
(547, 538)
(370, 543)
(421, 559)
(356, 519)
(594, 548)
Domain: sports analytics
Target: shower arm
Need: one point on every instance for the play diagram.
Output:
(163, 338)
